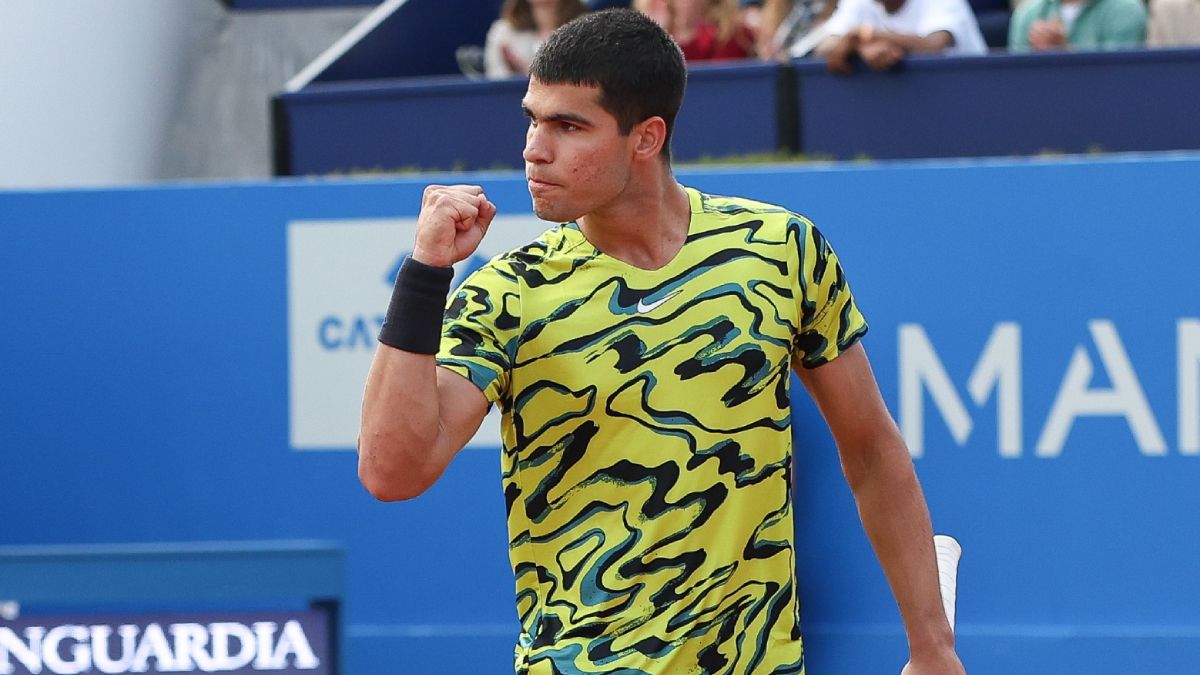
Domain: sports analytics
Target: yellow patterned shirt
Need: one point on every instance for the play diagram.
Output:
(647, 441)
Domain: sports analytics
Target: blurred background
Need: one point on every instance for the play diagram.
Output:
(203, 205)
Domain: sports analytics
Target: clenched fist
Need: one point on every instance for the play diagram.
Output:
(451, 224)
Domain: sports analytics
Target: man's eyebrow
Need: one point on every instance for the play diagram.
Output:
(558, 117)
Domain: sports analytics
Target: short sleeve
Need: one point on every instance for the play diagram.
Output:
(480, 330)
(829, 319)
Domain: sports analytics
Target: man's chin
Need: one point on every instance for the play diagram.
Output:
(553, 214)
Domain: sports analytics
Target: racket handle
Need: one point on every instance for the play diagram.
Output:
(948, 552)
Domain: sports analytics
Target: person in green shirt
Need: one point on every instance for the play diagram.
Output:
(1047, 25)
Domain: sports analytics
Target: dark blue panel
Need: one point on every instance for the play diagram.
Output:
(1004, 105)
(730, 109)
(427, 123)
(419, 38)
(454, 122)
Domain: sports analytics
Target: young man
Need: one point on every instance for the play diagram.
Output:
(640, 354)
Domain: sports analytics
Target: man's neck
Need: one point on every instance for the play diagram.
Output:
(646, 226)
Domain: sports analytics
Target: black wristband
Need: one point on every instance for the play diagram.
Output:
(414, 317)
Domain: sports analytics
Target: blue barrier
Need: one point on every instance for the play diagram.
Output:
(931, 106)
(455, 122)
(429, 123)
(1003, 105)
(1035, 328)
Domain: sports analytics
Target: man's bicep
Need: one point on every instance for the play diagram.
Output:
(462, 407)
(848, 396)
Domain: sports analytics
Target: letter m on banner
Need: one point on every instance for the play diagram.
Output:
(998, 368)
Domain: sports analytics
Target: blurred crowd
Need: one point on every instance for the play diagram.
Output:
(877, 32)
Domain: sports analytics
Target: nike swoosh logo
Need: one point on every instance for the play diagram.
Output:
(645, 308)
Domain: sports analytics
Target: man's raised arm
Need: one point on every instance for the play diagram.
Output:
(416, 416)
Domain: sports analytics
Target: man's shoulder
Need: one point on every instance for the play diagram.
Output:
(518, 262)
(734, 205)
(741, 221)
(724, 207)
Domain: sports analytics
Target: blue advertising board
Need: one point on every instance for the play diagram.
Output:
(185, 363)
(1002, 104)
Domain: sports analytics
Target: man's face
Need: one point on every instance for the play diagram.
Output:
(576, 160)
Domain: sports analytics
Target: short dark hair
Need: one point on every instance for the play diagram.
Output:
(637, 66)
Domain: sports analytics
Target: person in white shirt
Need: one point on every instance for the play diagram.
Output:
(882, 32)
(523, 25)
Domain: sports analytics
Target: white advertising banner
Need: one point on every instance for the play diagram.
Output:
(340, 278)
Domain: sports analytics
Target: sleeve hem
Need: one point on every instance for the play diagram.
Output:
(842, 347)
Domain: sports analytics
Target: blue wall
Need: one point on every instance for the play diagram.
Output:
(929, 106)
(453, 122)
(145, 360)
(1003, 104)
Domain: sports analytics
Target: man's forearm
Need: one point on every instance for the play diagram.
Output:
(896, 520)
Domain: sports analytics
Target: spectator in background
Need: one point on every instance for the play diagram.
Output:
(1047, 25)
(706, 30)
(522, 27)
(1174, 23)
(752, 16)
(791, 28)
(882, 32)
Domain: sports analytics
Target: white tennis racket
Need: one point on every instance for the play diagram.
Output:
(948, 552)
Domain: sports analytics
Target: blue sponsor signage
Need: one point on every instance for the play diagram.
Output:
(276, 642)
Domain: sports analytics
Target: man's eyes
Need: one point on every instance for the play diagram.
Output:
(565, 126)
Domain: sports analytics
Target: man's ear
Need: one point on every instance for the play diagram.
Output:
(649, 137)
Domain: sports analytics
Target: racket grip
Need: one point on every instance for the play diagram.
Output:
(948, 552)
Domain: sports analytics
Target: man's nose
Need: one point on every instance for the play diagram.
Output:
(536, 150)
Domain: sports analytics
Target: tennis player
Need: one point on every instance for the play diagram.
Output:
(640, 354)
